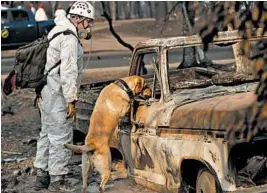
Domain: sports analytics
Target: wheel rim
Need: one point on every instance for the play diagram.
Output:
(206, 183)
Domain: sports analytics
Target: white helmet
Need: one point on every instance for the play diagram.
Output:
(83, 8)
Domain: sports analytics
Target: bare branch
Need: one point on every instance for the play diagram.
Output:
(118, 38)
(166, 20)
(187, 21)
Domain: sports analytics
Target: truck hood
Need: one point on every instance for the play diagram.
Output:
(219, 113)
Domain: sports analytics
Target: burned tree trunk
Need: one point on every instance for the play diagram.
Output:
(189, 58)
(113, 10)
(54, 5)
(189, 54)
(161, 11)
(243, 64)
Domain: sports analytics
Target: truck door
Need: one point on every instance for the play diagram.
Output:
(139, 138)
(22, 27)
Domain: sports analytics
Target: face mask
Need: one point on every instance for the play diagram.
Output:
(85, 34)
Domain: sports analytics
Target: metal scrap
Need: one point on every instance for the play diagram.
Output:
(255, 166)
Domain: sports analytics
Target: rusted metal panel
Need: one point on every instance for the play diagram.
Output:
(158, 159)
(219, 113)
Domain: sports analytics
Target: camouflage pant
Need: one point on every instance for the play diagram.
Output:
(51, 154)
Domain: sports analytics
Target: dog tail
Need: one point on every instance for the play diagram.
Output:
(77, 148)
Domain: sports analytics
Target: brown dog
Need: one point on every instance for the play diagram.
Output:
(112, 104)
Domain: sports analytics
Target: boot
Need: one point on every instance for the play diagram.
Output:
(42, 180)
(59, 184)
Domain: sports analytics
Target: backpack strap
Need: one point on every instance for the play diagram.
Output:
(44, 81)
(55, 35)
(67, 32)
(53, 67)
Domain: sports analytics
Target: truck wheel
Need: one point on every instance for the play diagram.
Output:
(206, 182)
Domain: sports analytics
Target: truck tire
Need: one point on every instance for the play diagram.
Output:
(206, 182)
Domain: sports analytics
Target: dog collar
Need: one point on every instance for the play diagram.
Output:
(123, 85)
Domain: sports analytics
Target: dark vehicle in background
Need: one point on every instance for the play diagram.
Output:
(18, 27)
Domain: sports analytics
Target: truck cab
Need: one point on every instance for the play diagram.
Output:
(18, 27)
(179, 140)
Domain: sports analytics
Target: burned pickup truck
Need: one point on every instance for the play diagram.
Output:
(178, 140)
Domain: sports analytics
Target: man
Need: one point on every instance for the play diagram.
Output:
(60, 11)
(57, 102)
(40, 14)
(32, 8)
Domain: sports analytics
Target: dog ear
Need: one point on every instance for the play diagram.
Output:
(147, 92)
(139, 85)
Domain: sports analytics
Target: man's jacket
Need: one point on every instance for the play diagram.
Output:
(66, 78)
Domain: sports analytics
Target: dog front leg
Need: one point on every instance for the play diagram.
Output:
(85, 170)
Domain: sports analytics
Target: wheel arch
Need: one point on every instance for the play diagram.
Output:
(189, 168)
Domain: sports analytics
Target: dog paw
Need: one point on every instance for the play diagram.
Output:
(84, 190)
(101, 190)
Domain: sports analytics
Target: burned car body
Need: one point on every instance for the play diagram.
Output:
(178, 140)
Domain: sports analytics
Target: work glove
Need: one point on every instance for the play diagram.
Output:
(71, 113)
